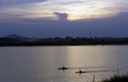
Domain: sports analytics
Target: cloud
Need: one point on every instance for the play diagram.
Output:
(111, 27)
(61, 16)
(30, 17)
(73, 9)
(19, 1)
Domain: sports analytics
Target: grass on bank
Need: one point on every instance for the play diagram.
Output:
(117, 78)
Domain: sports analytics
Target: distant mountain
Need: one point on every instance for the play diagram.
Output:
(11, 36)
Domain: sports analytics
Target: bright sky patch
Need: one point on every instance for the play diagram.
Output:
(75, 9)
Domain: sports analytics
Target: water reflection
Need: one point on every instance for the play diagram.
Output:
(39, 64)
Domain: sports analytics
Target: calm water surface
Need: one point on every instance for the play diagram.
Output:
(39, 64)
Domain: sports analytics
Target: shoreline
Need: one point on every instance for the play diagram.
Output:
(33, 44)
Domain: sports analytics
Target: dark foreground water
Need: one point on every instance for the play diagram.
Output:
(39, 64)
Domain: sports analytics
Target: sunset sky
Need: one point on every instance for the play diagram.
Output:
(51, 18)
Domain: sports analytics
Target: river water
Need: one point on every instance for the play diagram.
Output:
(40, 63)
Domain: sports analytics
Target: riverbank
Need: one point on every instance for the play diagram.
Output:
(117, 78)
(57, 44)
(58, 41)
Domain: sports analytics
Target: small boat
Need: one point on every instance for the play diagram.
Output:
(80, 72)
(63, 68)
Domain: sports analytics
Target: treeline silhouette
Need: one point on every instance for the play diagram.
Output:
(5, 41)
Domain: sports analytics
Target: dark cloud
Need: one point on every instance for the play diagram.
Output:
(112, 27)
(61, 16)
